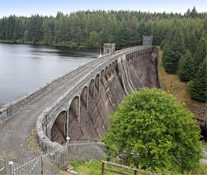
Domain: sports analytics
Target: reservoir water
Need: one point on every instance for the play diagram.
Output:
(24, 68)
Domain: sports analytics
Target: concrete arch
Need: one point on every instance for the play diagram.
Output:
(59, 128)
(97, 81)
(106, 72)
(113, 66)
(110, 69)
(92, 87)
(75, 107)
(102, 76)
(84, 96)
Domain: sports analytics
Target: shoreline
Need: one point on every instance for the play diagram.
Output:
(41, 44)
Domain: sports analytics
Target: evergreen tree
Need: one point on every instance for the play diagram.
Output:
(62, 28)
(35, 30)
(200, 53)
(198, 90)
(186, 67)
(125, 28)
(174, 50)
(194, 13)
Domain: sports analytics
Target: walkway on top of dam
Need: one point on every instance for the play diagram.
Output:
(15, 131)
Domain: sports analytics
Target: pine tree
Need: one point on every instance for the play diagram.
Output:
(200, 53)
(186, 67)
(194, 13)
(35, 32)
(198, 90)
(174, 50)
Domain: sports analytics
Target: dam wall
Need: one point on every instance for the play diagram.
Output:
(82, 112)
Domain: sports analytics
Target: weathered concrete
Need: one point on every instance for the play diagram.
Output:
(147, 40)
(131, 70)
(77, 106)
(109, 48)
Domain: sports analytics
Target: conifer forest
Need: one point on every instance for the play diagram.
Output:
(182, 37)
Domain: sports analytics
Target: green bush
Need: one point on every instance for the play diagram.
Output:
(154, 132)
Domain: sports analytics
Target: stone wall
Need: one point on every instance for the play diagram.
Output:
(85, 151)
(147, 40)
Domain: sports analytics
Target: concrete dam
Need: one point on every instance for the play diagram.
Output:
(128, 73)
(77, 105)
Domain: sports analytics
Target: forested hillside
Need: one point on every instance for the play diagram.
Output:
(185, 54)
(86, 28)
(181, 37)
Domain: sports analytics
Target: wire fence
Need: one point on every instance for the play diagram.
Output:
(52, 161)
(3, 164)
(48, 164)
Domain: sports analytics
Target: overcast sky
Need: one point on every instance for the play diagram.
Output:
(51, 7)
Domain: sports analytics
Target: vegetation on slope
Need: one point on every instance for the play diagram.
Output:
(187, 59)
(179, 90)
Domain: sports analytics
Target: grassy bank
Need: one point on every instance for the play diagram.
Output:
(94, 168)
(178, 89)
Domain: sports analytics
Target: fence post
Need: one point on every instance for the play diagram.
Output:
(41, 165)
(11, 163)
(135, 172)
(67, 146)
(102, 171)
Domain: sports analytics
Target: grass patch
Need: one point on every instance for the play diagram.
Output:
(178, 89)
(94, 168)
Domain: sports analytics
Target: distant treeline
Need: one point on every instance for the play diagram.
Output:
(86, 28)
(182, 37)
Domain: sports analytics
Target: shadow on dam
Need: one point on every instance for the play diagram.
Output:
(100, 98)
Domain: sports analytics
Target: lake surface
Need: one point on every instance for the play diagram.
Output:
(24, 68)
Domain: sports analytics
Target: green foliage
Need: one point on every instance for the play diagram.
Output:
(190, 85)
(200, 53)
(174, 50)
(35, 30)
(198, 89)
(186, 67)
(154, 132)
(125, 28)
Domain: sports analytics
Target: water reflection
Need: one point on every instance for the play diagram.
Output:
(24, 68)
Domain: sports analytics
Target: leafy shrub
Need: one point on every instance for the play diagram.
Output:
(154, 132)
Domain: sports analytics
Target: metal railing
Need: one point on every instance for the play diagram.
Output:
(48, 163)
(3, 166)
(52, 161)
